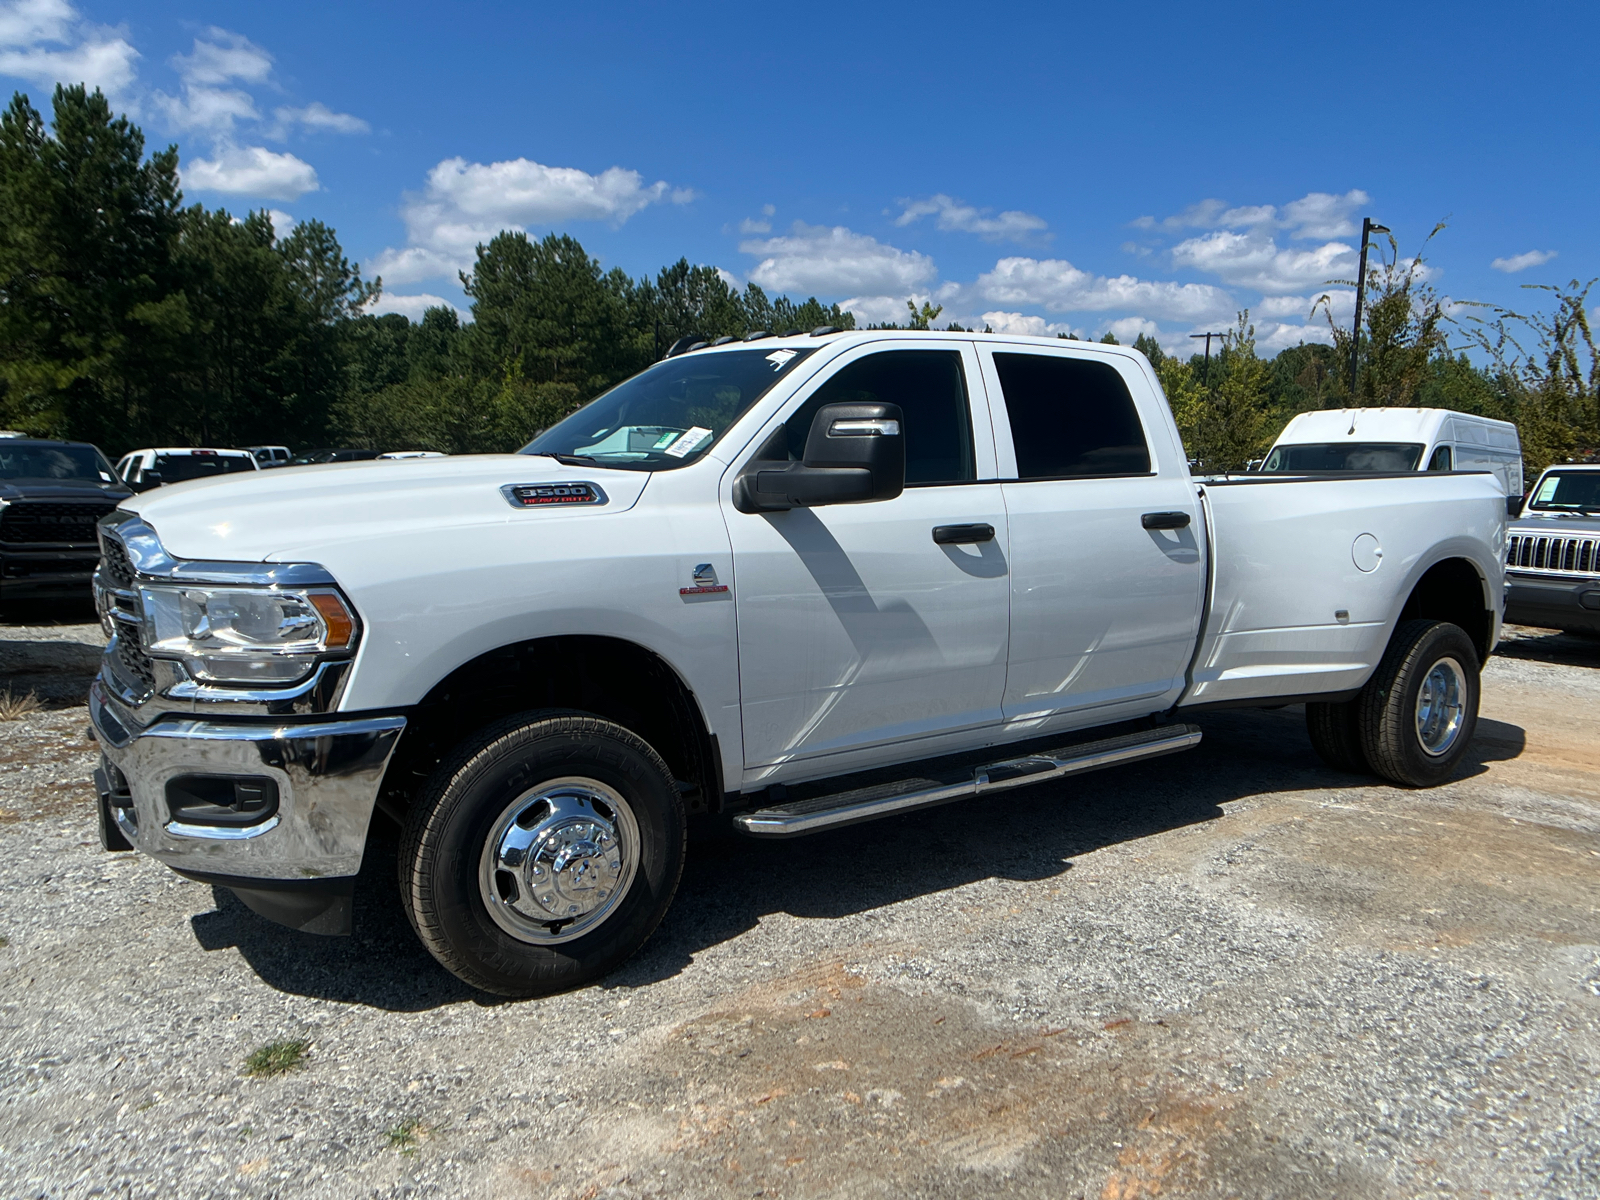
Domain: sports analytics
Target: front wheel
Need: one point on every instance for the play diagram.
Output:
(543, 853)
(1418, 712)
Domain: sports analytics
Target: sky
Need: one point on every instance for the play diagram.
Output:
(1148, 168)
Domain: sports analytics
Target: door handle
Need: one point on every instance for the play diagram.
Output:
(958, 535)
(1165, 520)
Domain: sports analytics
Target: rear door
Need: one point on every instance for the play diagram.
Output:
(1104, 611)
(858, 632)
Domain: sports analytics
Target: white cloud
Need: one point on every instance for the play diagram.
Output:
(1058, 286)
(1254, 259)
(47, 42)
(415, 263)
(1015, 322)
(316, 116)
(1521, 262)
(466, 203)
(1127, 329)
(207, 109)
(878, 310)
(282, 223)
(729, 278)
(817, 260)
(1324, 215)
(226, 56)
(1314, 215)
(252, 171)
(411, 306)
(953, 216)
(750, 225)
(1273, 336)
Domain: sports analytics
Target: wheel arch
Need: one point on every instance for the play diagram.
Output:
(608, 677)
(1455, 589)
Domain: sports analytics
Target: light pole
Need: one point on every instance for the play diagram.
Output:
(1205, 375)
(1368, 228)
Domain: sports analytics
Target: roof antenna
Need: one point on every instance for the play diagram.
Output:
(1354, 412)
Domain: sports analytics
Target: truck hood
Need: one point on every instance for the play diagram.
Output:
(291, 513)
(1556, 524)
(41, 489)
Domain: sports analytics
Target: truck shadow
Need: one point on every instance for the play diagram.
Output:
(1549, 646)
(730, 883)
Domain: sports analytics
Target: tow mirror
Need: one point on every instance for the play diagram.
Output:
(1514, 505)
(854, 453)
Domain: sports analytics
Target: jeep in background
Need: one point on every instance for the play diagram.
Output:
(51, 496)
(1553, 553)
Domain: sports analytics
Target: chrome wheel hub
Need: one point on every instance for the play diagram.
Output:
(1441, 706)
(559, 860)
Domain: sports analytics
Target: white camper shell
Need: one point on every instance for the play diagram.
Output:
(1398, 439)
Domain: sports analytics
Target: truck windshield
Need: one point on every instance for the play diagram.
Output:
(175, 468)
(1568, 491)
(53, 464)
(1344, 456)
(669, 415)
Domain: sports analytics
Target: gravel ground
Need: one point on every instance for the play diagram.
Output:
(1227, 973)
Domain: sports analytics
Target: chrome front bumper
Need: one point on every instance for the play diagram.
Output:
(327, 774)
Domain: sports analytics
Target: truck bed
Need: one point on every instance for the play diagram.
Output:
(1290, 613)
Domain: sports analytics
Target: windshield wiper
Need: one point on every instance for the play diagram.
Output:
(571, 460)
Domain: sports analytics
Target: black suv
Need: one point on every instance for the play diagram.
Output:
(51, 496)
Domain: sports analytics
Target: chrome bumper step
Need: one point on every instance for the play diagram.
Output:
(883, 800)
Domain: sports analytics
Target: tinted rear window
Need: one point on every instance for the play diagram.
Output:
(175, 468)
(1070, 417)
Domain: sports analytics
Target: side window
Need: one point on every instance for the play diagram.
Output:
(1070, 416)
(1440, 460)
(931, 390)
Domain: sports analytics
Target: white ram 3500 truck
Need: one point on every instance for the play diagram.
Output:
(796, 581)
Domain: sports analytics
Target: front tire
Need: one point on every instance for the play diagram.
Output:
(1417, 713)
(543, 853)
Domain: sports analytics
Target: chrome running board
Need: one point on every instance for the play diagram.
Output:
(886, 799)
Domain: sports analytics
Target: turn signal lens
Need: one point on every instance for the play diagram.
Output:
(341, 625)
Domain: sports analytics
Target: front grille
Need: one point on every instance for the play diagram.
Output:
(133, 664)
(33, 522)
(1560, 555)
(131, 657)
(114, 560)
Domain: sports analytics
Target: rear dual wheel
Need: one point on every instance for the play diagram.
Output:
(543, 853)
(1413, 720)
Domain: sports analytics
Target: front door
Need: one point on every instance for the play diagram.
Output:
(858, 632)
(1104, 611)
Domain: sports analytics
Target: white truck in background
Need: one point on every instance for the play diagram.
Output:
(1398, 439)
(734, 585)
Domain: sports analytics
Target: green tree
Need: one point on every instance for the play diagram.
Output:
(92, 316)
(1233, 426)
(1403, 329)
(1551, 384)
(923, 318)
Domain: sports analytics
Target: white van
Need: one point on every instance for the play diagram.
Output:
(1398, 439)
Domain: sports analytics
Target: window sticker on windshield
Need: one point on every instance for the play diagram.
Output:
(690, 440)
(780, 358)
(1548, 488)
(665, 440)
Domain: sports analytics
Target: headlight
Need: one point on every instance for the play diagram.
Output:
(246, 635)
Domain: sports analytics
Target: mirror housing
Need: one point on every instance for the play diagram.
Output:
(1514, 505)
(854, 453)
(147, 480)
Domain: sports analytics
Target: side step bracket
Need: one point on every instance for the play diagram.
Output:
(884, 800)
